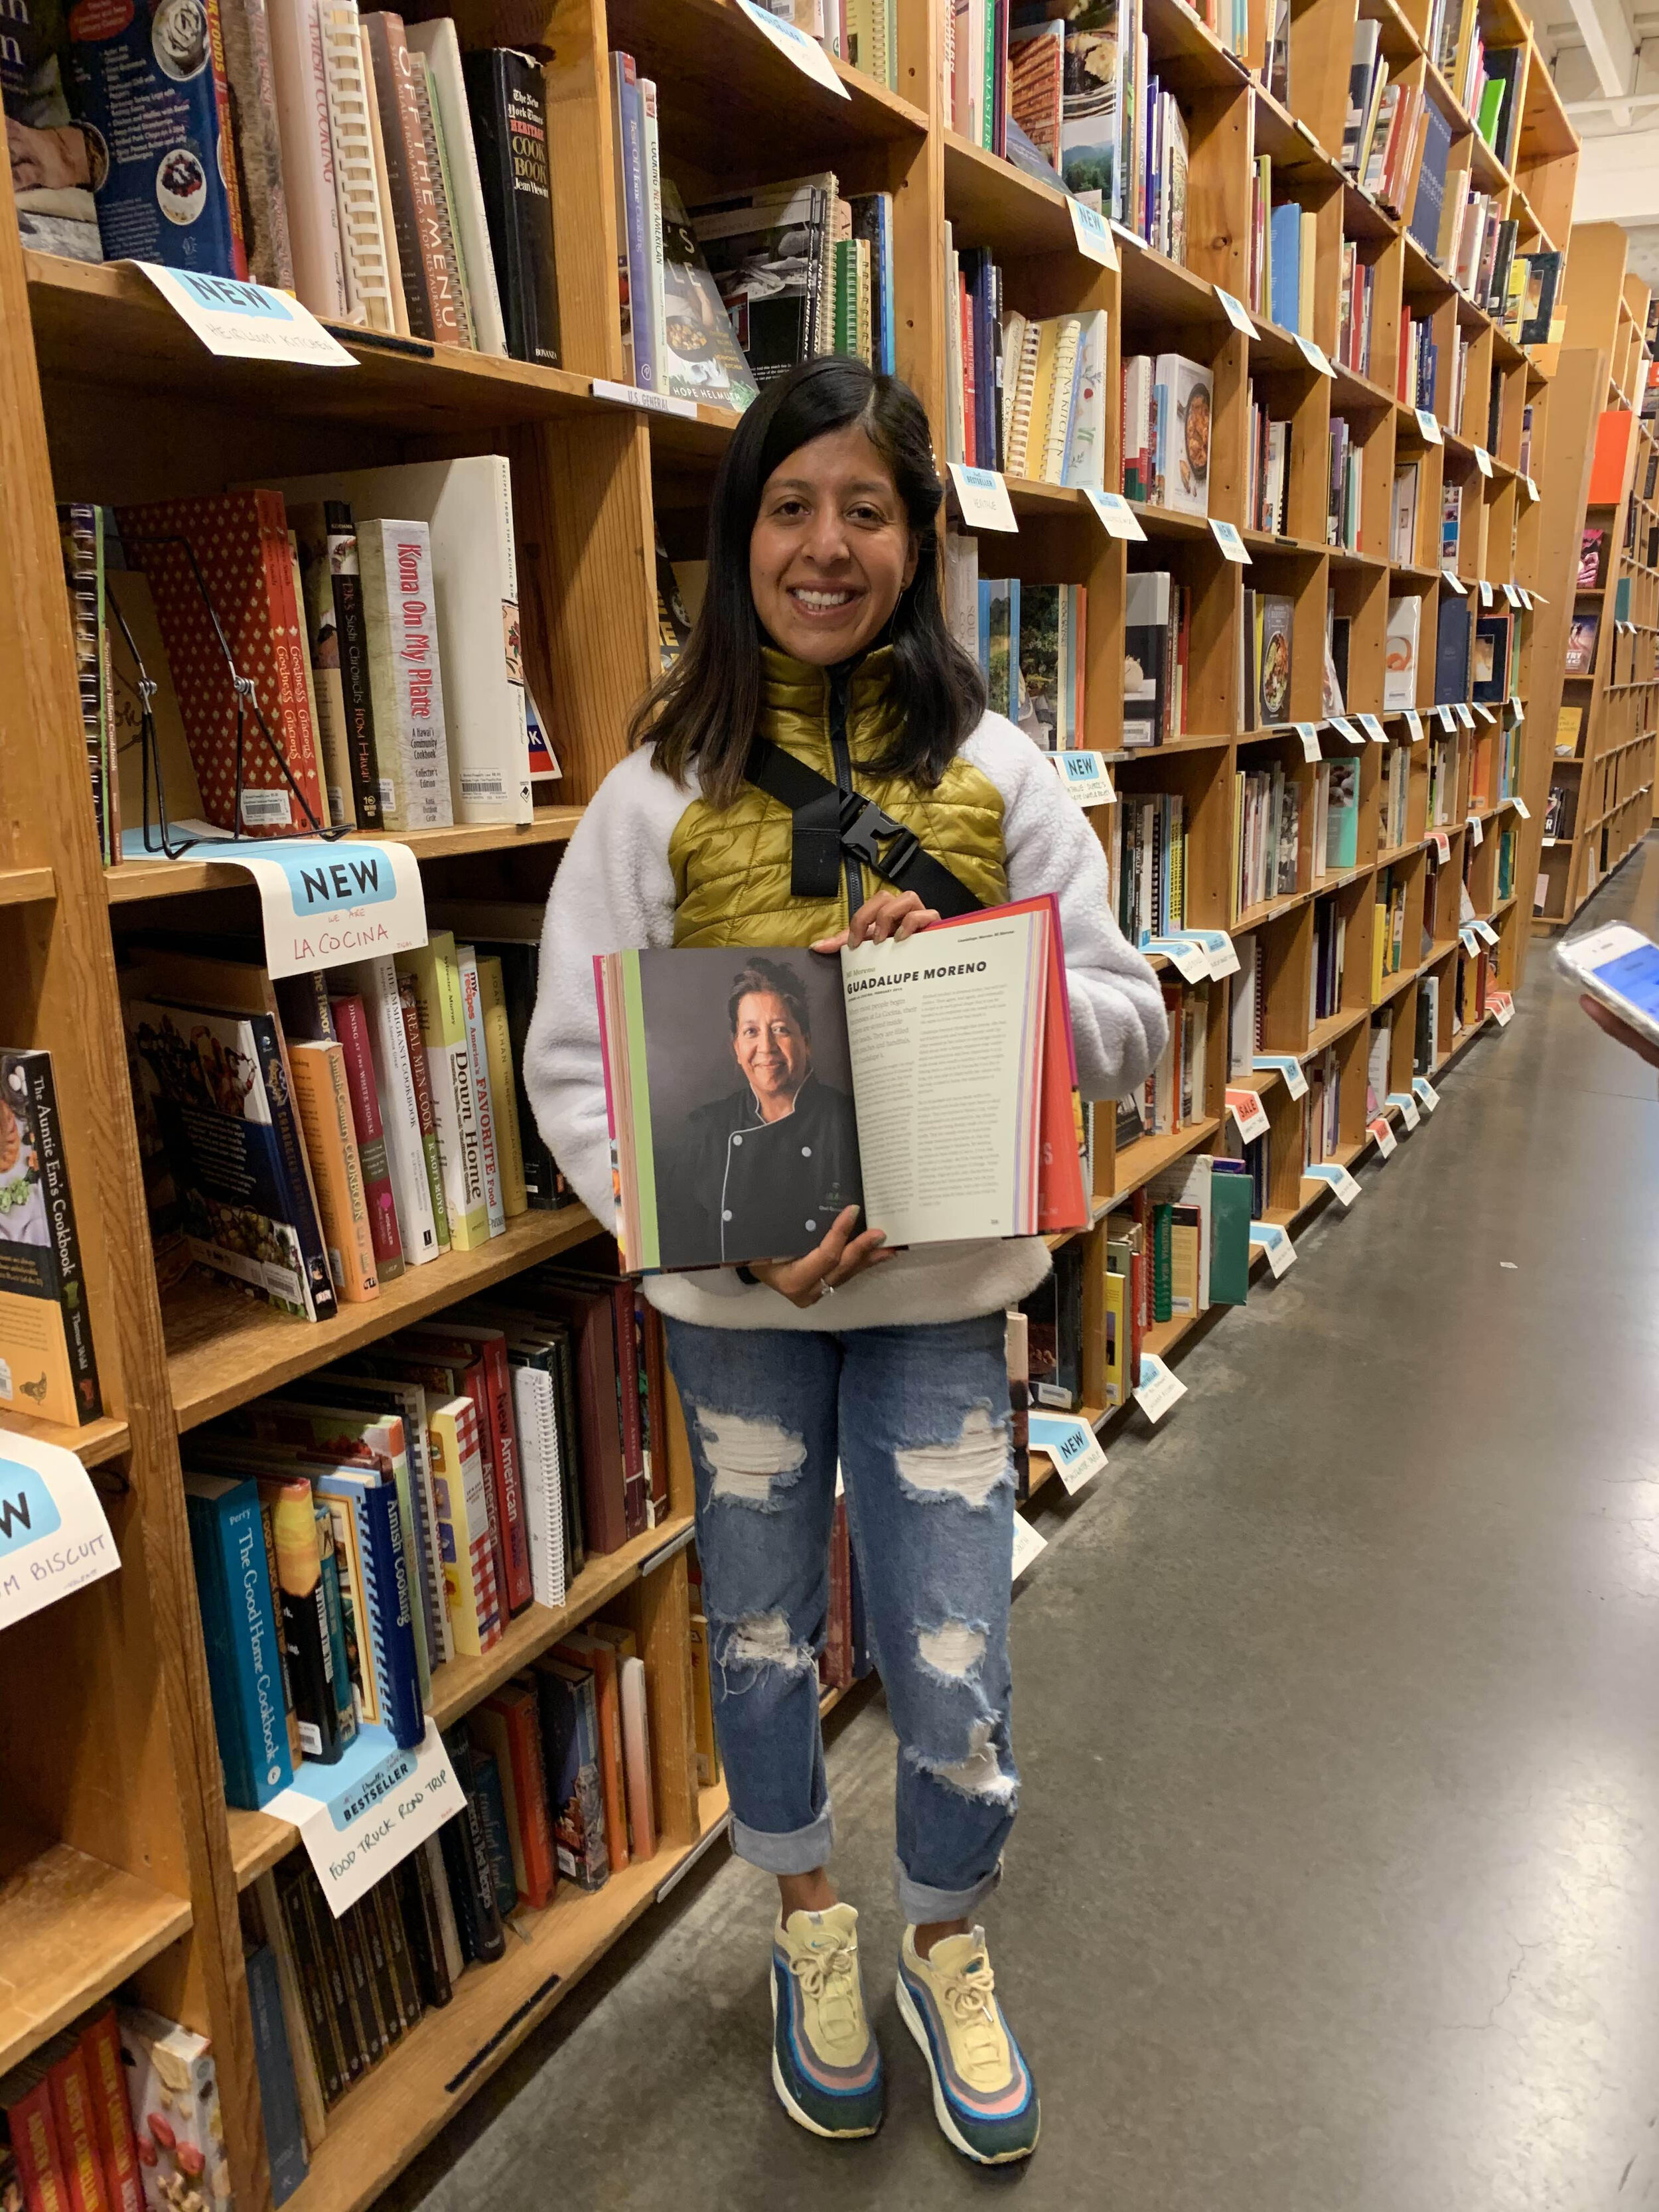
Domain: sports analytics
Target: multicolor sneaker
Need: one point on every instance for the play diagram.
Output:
(826, 2064)
(984, 2098)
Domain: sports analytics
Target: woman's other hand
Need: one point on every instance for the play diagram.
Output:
(889, 914)
(1621, 1032)
(840, 1257)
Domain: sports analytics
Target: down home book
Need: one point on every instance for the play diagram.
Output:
(754, 1092)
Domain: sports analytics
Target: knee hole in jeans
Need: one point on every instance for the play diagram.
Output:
(969, 1468)
(749, 1457)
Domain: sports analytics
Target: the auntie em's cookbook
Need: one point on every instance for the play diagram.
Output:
(753, 1092)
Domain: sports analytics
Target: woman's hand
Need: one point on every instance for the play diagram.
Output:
(1621, 1032)
(840, 1257)
(889, 914)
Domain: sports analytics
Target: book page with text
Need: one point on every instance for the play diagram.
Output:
(945, 1033)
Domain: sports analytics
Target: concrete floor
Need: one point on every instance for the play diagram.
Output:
(1335, 1887)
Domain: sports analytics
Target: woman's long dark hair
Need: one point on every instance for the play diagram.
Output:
(704, 710)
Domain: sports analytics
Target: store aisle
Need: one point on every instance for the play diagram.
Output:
(1336, 1882)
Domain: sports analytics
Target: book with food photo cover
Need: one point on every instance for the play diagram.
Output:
(755, 1090)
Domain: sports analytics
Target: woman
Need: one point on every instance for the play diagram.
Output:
(822, 631)
(762, 1169)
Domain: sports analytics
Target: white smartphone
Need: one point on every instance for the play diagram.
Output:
(1620, 967)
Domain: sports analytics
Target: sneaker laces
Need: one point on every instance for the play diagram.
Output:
(828, 1977)
(969, 1992)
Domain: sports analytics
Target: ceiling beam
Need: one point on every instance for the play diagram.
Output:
(1609, 41)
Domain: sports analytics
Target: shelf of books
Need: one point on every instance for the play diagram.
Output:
(1600, 798)
(1264, 347)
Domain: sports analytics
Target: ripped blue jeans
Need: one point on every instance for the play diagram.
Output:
(919, 1418)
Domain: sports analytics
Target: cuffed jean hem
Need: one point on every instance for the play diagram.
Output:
(802, 1851)
(920, 1905)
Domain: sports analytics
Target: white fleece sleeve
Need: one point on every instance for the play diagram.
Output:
(1117, 1007)
(614, 892)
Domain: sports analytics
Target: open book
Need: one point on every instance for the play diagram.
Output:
(754, 1092)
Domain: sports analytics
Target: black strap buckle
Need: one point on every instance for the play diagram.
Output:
(862, 821)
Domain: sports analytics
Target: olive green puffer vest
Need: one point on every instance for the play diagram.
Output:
(731, 865)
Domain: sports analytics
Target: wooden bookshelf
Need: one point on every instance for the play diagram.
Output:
(1607, 782)
(120, 1862)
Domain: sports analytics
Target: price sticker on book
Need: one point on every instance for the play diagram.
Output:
(1501, 1006)
(1275, 1242)
(54, 1538)
(1308, 733)
(1520, 806)
(1532, 489)
(1427, 1097)
(1158, 1388)
(1387, 1142)
(1117, 517)
(240, 321)
(1027, 1545)
(360, 1817)
(326, 904)
(1477, 832)
(1234, 312)
(1466, 714)
(1486, 592)
(1441, 844)
(1429, 428)
(983, 496)
(1092, 232)
(1287, 1067)
(1407, 1104)
(635, 395)
(1249, 1114)
(1227, 538)
(1313, 355)
(1184, 954)
(1413, 723)
(1336, 1178)
(1346, 730)
(1218, 950)
(1071, 1445)
(807, 54)
(1373, 729)
(1483, 460)
(1085, 776)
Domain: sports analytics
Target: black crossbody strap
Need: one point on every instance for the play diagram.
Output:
(828, 822)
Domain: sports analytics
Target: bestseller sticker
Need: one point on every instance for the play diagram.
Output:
(1227, 538)
(1428, 426)
(241, 321)
(983, 496)
(1287, 1065)
(1275, 1242)
(358, 1817)
(1092, 232)
(1117, 517)
(54, 1538)
(807, 54)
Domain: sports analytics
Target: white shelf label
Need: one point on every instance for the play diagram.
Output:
(1332, 1172)
(1428, 1097)
(1413, 723)
(1484, 713)
(1453, 581)
(1027, 1545)
(1521, 806)
(1093, 235)
(1483, 460)
(1313, 355)
(1346, 729)
(635, 395)
(1512, 595)
(1085, 776)
(1287, 1065)
(54, 1538)
(326, 904)
(1477, 831)
(1373, 729)
(1227, 538)
(1526, 597)
(1486, 932)
(806, 53)
(1117, 517)
(1486, 592)
(1248, 1113)
(1441, 844)
(1501, 1006)
(1532, 489)
(983, 496)
(1234, 312)
(1469, 941)
(1428, 426)
(1218, 948)
(1516, 708)
(1071, 1445)
(1466, 714)
(1184, 954)
(360, 1817)
(1158, 1388)
(1407, 1104)
(240, 321)
(1276, 1243)
(1387, 1142)
(1448, 720)
(1308, 733)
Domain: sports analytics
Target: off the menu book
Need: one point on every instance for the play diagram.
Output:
(754, 1092)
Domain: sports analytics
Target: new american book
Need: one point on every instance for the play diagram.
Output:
(753, 1092)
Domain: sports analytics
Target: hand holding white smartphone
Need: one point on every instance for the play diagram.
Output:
(1619, 967)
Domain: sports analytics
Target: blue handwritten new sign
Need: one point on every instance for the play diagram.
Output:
(324, 881)
(230, 295)
(28, 1511)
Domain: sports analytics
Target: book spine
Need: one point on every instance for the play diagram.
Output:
(502, 1089)
(111, 2118)
(639, 252)
(474, 1896)
(291, 723)
(472, 1019)
(305, 1621)
(466, 1073)
(327, 2052)
(351, 1026)
(394, 95)
(509, 118)
(635, 1492)
(435, 979)
(371, 1927)
(214, 1604)
(385, 1574)
(353, 641)
(65, 1237)
(395, 560)
(470, 1586)
(279, 2097)
(77, 2140)
(532, 1403)
(323, 1103)
(652, 182)
(394, 1079)
(334, 1616)
(365, 2013)
(420, 1078)
(40, 2167)
(251, 75)
(508, 1473)
(399, 1955)
(491, 1801)
(530, 1791)
(366, 251)
(449, 302)
(422, 1933)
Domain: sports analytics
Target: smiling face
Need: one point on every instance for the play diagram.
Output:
(831, 550)
(773, 1051)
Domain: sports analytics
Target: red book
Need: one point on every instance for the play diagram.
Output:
(489, 1383)
(648, 1323)
(628, 1359)
(238, 541)
(515, 1709)
(77, 2136)
(582, 1650)
(34, 2146)
(111, 2118)
(604, 1522)
(351, 1027)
